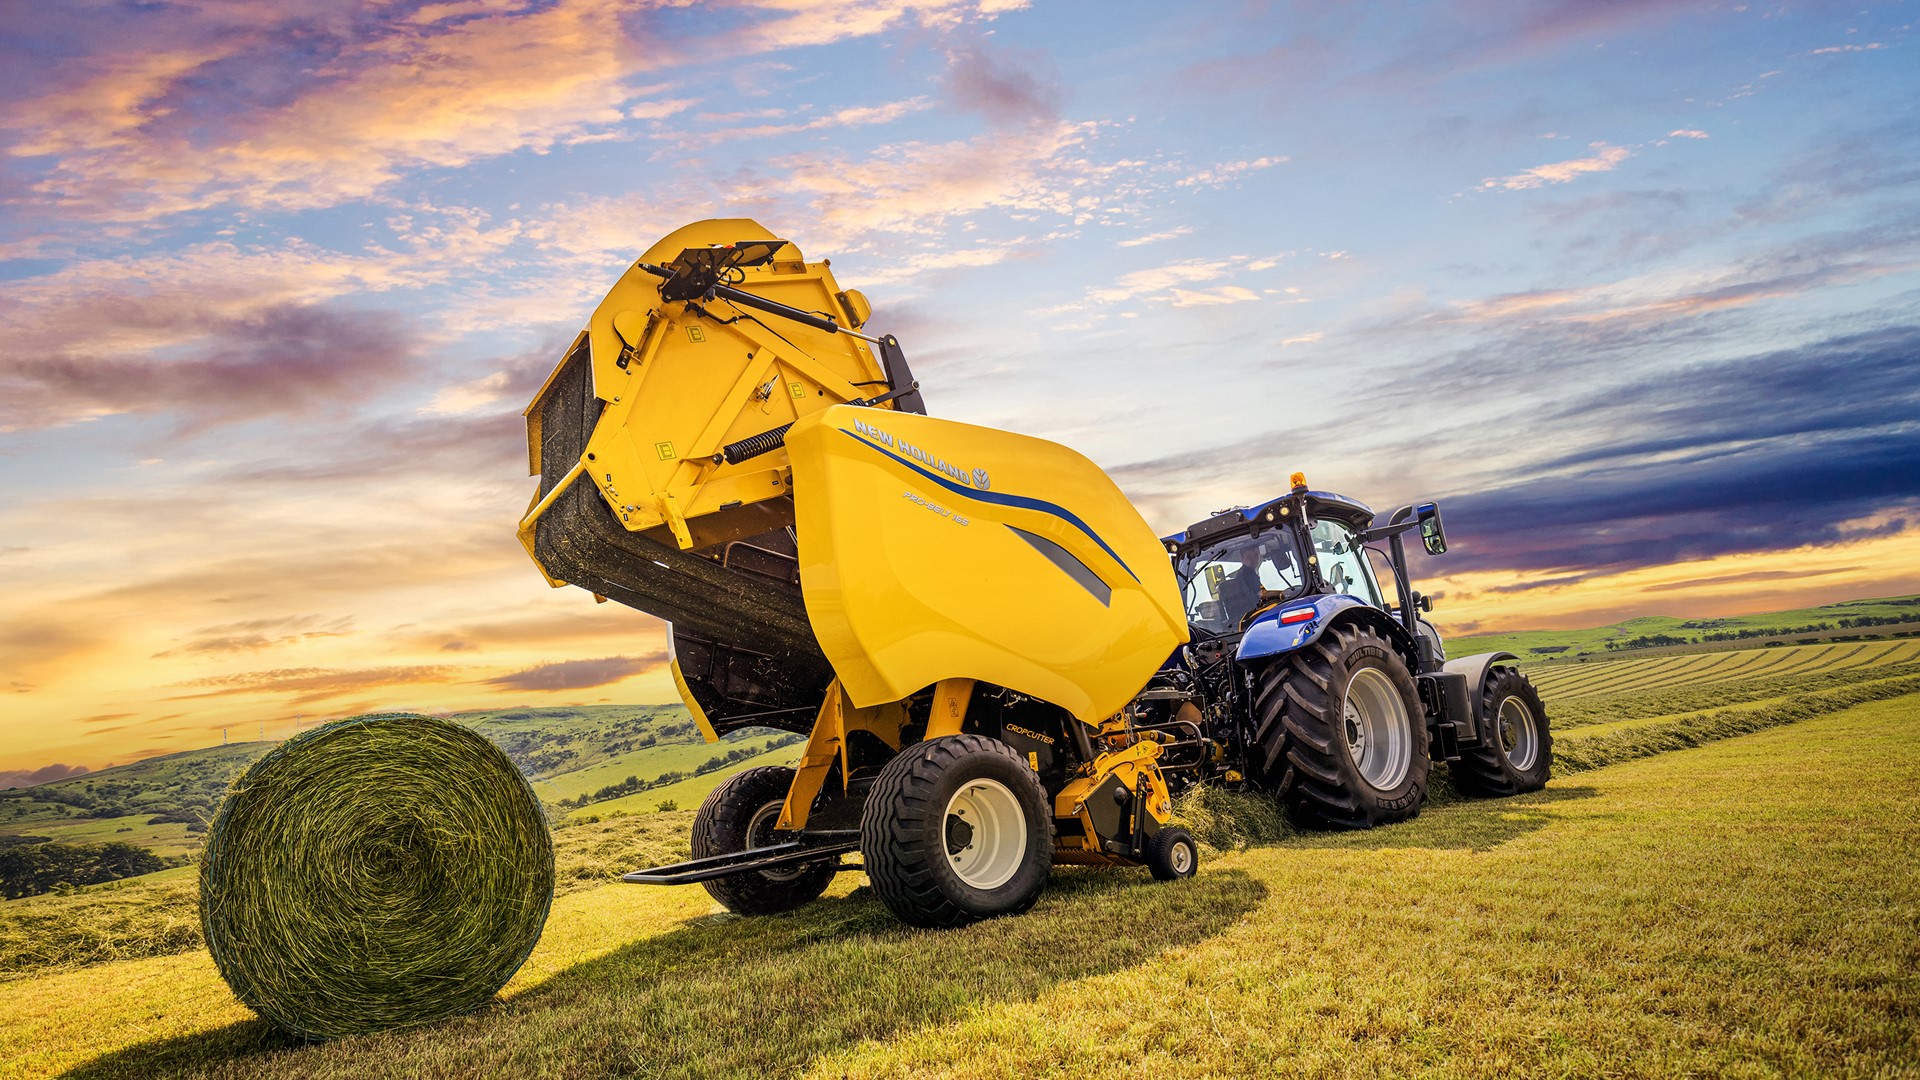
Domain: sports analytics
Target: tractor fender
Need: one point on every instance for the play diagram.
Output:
(1268, 636)
(1475, 668)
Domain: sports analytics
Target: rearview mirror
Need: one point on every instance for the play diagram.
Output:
(1432, 533)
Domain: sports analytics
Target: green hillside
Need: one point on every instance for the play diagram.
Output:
(1706, 633)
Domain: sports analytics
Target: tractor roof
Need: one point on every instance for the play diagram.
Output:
(1320, 504)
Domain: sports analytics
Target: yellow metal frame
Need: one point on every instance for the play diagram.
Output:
(1137, 766)
(828, 744)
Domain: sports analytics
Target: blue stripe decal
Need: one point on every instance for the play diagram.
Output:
(1020, 501)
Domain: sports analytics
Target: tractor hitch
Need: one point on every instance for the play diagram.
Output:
(811, 847)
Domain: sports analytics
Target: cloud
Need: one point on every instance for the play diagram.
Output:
(1688, 133)
(282, 109)
(252, 635)
(1750, 576)
(577, 674)
(1604, 158)
(20, 778)
(1227, 171)
(310, 685)
(1154, 238)
(286, 360)
(1226, 294)
(1008, 88)
(1809, 446)
(286, 107)
(852, 116)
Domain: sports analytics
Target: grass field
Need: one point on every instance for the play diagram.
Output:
(1748, 907)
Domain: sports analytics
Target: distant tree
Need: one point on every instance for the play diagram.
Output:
(30, 871)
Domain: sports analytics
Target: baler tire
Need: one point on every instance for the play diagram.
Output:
(907, 834)
(1515, 751)
(1172, 854)
(729, 820)
(1303, 752)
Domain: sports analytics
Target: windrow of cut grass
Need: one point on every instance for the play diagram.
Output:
(1577, 713)
(1561, 682)
(154, 915)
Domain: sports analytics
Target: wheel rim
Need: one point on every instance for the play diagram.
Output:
(760, 834)
(986, 833)
(1519, 737)
(1182, 859)
(1379, 738)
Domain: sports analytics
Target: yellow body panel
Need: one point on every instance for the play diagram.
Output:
(915, 568)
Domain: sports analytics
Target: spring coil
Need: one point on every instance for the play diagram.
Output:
(755, 445)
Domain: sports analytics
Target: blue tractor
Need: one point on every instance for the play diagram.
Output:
(1303, 680)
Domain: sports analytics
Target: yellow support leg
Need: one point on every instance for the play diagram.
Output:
(823, 749)
(950, 698)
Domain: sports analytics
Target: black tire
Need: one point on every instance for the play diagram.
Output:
(1515, 753)
(911, 845)
(1172, 854)
(1302, 752)
(740, 814)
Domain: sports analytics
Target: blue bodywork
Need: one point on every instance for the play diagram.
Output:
(1267, 636)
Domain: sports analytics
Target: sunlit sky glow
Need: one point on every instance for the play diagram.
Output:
(1630, 286)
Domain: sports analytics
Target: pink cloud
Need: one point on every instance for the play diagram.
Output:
(1604, 158)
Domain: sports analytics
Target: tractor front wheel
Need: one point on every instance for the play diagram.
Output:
(1515, 752)
(740, 814)
(1341, 738)
(956, 829)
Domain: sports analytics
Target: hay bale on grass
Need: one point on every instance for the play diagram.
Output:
(379, 872)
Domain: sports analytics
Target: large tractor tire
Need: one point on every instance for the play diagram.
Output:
(740, 814)
(1340, 736)
(957, 829)
(1515, 752)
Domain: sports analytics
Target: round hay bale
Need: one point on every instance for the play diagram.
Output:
(379, 872)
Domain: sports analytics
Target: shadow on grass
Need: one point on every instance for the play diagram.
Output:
(1454, 821)
(725, 996)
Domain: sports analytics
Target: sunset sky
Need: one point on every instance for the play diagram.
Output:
(1633, 287)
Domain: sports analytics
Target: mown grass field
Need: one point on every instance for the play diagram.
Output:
(1749, 906)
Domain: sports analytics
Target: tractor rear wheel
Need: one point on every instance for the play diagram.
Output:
(1340, 737)
(957, 829)
(740, 814)
(1515, 752)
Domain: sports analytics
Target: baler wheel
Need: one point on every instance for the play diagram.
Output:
(740, 814)
(1172, 854)
(1515, 752)
(957, 829)
(1341, 738)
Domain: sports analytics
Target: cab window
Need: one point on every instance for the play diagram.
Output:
(1343, 562)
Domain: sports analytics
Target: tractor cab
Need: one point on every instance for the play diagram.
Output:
(1244, 561)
